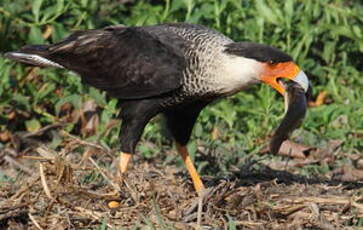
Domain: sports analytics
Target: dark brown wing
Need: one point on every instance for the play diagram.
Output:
(127, 62)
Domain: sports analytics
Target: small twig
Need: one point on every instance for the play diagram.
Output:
(190, 217)
(200, 208)
(31, 217)
(44, 182)
(25, 187)
(18, 165)
(9, 214)
(249, 224)
(98, 195)
(37, 158)
(92, 214)
(288, 159)
(132, 192)
(9, 151)
(116, 187)
(202, 196)
(42, 130)
(194, 205)
(45, 152)
(86, 143)
(82, 142)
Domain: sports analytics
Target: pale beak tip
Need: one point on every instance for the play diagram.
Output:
(302, 80)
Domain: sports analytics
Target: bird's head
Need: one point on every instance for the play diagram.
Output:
(270, 65)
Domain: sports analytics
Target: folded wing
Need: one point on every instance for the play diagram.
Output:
(127, 62)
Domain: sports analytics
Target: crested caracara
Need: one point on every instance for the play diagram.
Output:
(173, 69)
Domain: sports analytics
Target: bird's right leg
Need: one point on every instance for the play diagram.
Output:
(131, 131)
(135, 116)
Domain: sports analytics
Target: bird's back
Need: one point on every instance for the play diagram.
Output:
(137, 62)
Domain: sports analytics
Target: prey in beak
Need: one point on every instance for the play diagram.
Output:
(272, 72)
(296, 92)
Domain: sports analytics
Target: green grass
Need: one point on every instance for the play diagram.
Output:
(324, 37)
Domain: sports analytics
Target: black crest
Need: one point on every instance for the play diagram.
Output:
(259, 52)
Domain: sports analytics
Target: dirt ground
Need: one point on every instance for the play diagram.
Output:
(61, 190)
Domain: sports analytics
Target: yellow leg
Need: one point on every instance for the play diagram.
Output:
(197, 182)
(124, 161)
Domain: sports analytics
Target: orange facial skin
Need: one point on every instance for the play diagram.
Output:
(271, 72)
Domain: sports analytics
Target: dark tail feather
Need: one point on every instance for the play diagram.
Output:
(33, 55)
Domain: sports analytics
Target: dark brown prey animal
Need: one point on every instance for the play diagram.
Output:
(174, 69)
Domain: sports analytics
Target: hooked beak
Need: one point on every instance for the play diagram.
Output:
(287, 70)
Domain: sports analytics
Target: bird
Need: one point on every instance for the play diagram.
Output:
(174, 69)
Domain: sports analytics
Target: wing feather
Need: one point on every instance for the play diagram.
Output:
(128, 62)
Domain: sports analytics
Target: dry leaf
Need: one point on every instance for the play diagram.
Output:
(319, 99)
(48, 31)
(89, 118)
(215, 133)
(328, 153)
(359, 163)
(294, 150)
(347, 173)
(5, 136)
(12, 115)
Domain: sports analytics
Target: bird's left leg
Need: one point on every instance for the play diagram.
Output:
(180, 123)
(183, 152)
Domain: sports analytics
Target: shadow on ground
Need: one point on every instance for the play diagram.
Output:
(248, 176)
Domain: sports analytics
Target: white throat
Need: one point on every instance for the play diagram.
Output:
(237, 73)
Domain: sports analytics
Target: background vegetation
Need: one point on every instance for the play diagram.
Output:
(324, 37)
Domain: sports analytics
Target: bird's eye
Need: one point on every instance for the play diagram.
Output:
(272, 63)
